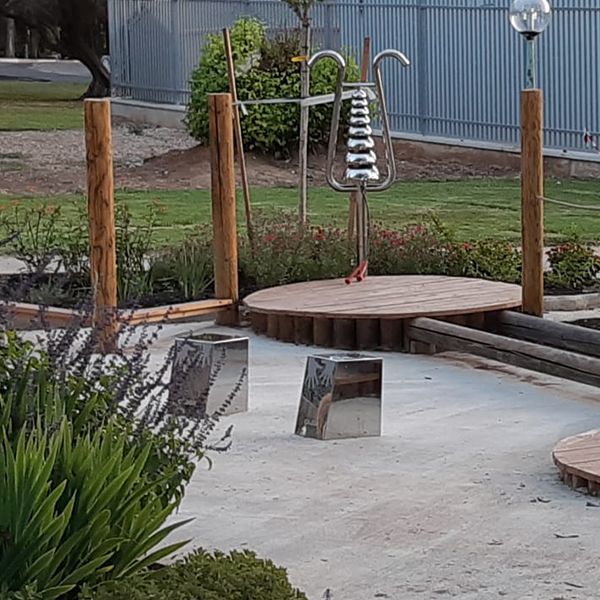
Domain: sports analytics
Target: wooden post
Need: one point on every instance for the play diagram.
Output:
(239, 141)
(304, 121)
(364, 74)
(222, 175)
(532, 206)
(101, 214)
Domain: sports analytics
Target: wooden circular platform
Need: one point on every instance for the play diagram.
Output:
(578, 460)
(371, 314)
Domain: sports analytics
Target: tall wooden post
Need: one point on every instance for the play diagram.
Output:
(101, 215)
(532, 205)
(220, 115)
(364, 74)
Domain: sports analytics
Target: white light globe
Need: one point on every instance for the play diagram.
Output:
(530, 17)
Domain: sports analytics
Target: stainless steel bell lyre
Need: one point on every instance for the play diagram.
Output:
(361, 174)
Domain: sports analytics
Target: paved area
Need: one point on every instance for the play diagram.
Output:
(58, 71)
(457, 498)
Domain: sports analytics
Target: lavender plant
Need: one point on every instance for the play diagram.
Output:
(105, 448)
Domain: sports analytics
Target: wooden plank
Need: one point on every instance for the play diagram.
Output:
(258, 322)
(344, 334)
(174, 312)
(101, 215)
(387, 297)
(323, 332)
(220, 115)
(273, 326)
(367, 333)
(303, 331)
(285, 328)
(560, 363)
(391, 334)
(549, 333)
(532, 206)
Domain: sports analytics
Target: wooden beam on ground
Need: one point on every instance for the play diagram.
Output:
(549, 333)
(101, 215)
(532, 206)
(560, 363)
(220, 113)
(239, 140)
(364, 74)
(185, 310)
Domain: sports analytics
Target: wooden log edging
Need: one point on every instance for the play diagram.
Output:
(439, 336)
(549, 333)
(22, 315)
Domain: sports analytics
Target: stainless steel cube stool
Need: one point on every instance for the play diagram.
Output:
(341, 397)
(206, 369)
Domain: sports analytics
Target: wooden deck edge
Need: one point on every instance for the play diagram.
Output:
(577, 476)
(25, 315)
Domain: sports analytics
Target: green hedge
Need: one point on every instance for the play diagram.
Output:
(263, 70)
(204, 576)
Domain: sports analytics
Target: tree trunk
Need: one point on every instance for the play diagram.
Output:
(10, 38)
(100, 84)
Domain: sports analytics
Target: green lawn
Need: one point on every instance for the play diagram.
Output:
(40, 106)
(471, 209)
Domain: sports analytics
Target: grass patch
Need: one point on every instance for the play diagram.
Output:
(470, 209)
(40, 106)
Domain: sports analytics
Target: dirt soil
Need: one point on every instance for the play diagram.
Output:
(51, 163)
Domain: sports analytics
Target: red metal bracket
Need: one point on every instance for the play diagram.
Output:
(359, 274)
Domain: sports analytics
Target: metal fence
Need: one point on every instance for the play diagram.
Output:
(467, 62)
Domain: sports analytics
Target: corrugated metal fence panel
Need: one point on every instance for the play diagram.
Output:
(467, 63)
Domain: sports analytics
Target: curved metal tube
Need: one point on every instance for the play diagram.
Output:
(335, 118)
(385, 121)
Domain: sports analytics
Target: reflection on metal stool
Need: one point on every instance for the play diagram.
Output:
(341, 397)
(206, 370)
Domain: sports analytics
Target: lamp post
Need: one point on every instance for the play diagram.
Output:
(530, 18)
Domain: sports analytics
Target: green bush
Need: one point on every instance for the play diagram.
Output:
(491, 259)
(91, 463)
(204, 576)
(573, 266)
(73, 509)
(263, 70)
(186, 269)
(421, 249)
(287, 253)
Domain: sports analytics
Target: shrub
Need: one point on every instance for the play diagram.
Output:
(573, 266)
(263, 70)
(491, 259)
(73, 509)
(421, 249)
(287, 253)
(92, 444)
(185, 270)
(204, 576)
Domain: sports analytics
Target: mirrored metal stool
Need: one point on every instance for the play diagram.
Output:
(206, 370)
(341, 397)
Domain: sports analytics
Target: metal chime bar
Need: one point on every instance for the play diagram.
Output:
(361, 173)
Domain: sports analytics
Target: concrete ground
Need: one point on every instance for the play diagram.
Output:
(57, 71)
(457, 498)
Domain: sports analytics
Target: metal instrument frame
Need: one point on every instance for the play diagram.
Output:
(361, 187)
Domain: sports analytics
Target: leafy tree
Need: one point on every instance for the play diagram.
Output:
(74, 28)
